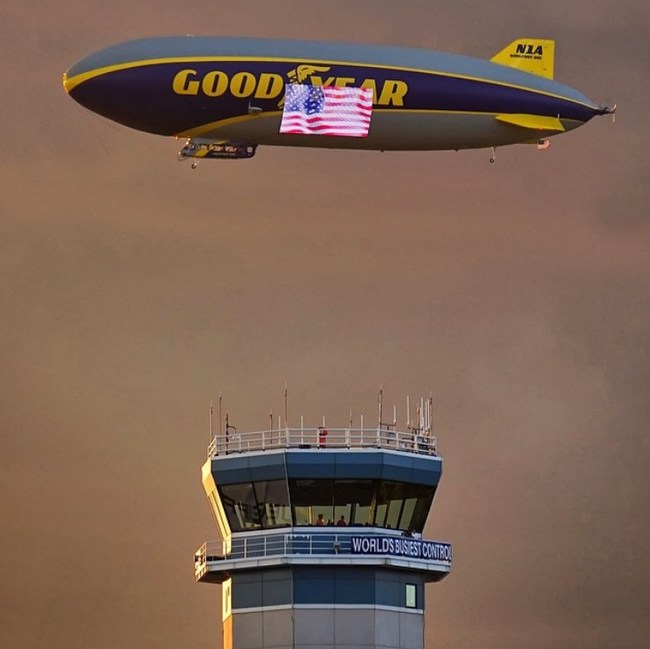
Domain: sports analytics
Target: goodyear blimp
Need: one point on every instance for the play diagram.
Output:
(226, 96)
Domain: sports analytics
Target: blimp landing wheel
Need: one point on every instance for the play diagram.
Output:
(493, 157)
(195, 165)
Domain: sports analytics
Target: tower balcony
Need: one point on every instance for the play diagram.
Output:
(411, 441)
(215, 561)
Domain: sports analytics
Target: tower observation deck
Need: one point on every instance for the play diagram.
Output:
(320, 536)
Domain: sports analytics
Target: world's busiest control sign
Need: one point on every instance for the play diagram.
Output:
(402, 546)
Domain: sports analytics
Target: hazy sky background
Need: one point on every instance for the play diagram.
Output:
(134, 290)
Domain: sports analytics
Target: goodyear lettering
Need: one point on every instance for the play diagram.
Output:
(393, 93)
(182, 85)
(372, 84)
(268, 85)
(243, 84)
(214, 83)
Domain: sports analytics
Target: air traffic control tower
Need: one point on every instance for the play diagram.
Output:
(321, 535)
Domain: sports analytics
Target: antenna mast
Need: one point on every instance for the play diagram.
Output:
(286, 406)
(210, 429)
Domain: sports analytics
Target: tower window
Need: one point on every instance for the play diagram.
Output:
(411, 596)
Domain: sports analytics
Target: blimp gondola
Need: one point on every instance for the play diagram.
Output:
(227, 96)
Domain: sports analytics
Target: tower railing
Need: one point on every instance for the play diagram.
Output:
(330, 542)
(411, 441)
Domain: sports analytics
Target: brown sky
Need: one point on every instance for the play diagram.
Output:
(133, 290)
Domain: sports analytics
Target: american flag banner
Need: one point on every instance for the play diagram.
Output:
(326, 110)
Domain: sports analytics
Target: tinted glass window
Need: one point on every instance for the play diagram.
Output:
(380, 514)
(394, 505)
(407, 513)
(421, 510)
(273, 500)
(310, 498)
(353, 500)
(403, 505)
(392, 515)
(411, 596)
(240, 506)
(302, 515)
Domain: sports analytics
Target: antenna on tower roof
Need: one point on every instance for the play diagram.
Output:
(408, 412)
(286, 405)
(382, 423)
(211, 433)
(430, 413)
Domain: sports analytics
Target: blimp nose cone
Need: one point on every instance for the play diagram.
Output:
(67, 86)
(135, 92)
(71, 80)
(95, 90)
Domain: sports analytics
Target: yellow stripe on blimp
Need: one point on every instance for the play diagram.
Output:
(532, 122)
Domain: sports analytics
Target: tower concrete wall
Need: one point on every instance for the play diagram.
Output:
(325, 627)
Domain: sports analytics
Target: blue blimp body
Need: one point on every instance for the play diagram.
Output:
(227, 95)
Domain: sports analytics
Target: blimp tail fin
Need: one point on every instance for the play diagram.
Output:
(534, 55)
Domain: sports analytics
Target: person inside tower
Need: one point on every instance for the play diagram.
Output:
(341, 522)
(320, 520)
